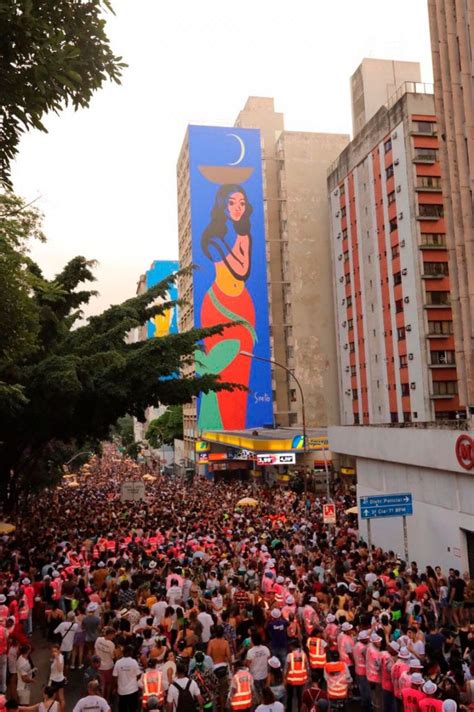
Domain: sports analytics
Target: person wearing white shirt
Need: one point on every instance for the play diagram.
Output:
(158, 611)
(127, 673)
(257, 661)
(206, 621)
(67, 630)
(104, 648)
(92, 702)
(57, 679)
(183, 682)
(25, 676)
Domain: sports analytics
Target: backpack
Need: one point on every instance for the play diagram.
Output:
(314, 700)
(186, 702)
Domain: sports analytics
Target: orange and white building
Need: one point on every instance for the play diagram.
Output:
(395, 342)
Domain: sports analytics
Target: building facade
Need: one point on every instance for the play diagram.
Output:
(394, 325)
(301, 310)
(452, 40)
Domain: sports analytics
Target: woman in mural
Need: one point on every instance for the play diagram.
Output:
(227, 242)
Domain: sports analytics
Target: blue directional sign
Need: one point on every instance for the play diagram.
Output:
(386, 505)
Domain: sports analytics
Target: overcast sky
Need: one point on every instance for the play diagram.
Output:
(106, 175)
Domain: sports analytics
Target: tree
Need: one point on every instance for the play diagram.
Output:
(53, 53)
(69, 385)
(167, 428)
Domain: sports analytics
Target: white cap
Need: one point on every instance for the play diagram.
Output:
(449, 706)
(404, 653)
(56, 574)
(363, 635)
(291, 585)
(429, 688)
(376, 594)
(374, 638)
(415, 663)
(101, 564)
(92, 607)
(313, 599)
(152, 565)
(345, 627)
(274, 662)
(280, 579)
(330, 618)
(417, 679)
(264, 547)
(394, 645)
(275, 613)
(289, 600)
(352, 587)
(26, 581)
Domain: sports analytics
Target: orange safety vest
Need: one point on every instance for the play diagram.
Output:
(297, 671)
(336, 680)
(153, 686)
(317, 652)
(241, 698)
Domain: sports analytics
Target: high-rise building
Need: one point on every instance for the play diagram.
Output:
(374, 82)
(298, 269)
(452, 28)
(396, 349)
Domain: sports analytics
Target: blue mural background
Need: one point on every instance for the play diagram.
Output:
(159, 270)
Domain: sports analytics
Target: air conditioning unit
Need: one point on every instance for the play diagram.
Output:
(338, 235)
(400, 216)
(402, 243)
(343, 301)
(404, 270)
(339, 257)
(413, 385)
(395, 135)
(410, 357)
(348, 392)
(347, 369)
(406, 300)
(408, 327)
(344, 324)
(341, 279)
(399, 188)
(396, 161)
(336, 192)
(442, 358)
(346, 346)
(337, 214)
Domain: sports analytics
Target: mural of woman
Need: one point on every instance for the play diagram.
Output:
(227, 242)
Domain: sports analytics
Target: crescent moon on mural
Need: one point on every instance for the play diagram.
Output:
(242, 150)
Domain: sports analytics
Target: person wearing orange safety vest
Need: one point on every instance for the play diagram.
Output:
(316, 648)
(345, 644)
(360, 668)
(241, 692)
(399, 667)
(388, 658)
(279, 592)
(412, 696)
(152, 684)
(373, 663)
(296, 675)
(338, 680)
(429, 703)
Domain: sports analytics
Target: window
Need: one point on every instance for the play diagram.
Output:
(344, 233)
(394, 417)
(437, 298)
(353, 371)
(387, 146)
(393, 225)
(426, 210)
(445, 388)
(406, 417)
(389, 172)
(395, 251)
(348, 278)
(397, 278)
(355, 395)
(405, 388)
(287, 312)
(433, 239)
(343, 212)
(293, 395)
(289, 352)
(426, 154)
(443, 358)
(401, 333)
(428, 182)
(442, 327)
(293, 419)
(288, 331)
(346, 255)
(435, 269)
(356, 418)
(351, 347)
(399, 305)
(349, 301)
(391, 197)
(403, 361)
(350, 324)
(427, 127)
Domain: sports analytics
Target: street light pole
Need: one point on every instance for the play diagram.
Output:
(78, 454)
(303, 412)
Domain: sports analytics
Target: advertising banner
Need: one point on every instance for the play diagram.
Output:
(230, 280)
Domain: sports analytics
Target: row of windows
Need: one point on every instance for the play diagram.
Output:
(427, 210)
(445, 388)
(435, 269)
(428, 182)
(437, 358)
(433, 239)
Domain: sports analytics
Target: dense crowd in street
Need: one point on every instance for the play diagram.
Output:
(187, 601)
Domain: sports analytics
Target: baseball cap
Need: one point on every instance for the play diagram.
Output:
(275, 613)
(429, 688)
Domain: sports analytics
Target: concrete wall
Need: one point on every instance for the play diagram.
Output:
(307, 157)
(423, 462)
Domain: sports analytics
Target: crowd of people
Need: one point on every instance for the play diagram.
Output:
(186, 601)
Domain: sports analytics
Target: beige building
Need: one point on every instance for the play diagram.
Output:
(298, 265)
(452, 40)
(373, 83)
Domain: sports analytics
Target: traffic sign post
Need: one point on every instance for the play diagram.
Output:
(387, 505)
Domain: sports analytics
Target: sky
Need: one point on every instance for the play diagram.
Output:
(105, 177)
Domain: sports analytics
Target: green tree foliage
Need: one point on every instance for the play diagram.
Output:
(64, 385)
(53, 53)
(165, 429)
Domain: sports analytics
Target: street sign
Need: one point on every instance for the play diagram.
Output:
(329, 513)
(278, 458)
(386, 505)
